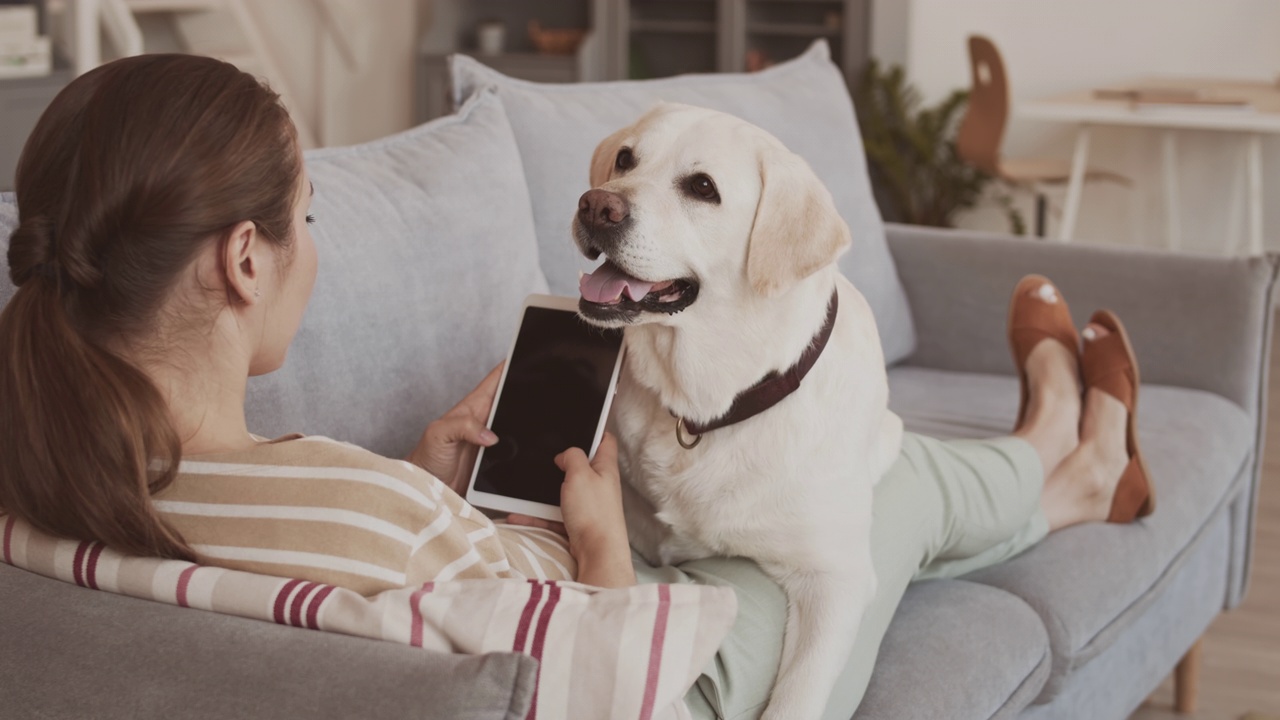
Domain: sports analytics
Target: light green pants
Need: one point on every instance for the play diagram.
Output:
(944, 509)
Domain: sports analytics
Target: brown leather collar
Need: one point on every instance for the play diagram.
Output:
(771, 389)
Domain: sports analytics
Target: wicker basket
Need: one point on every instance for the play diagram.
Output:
(555, 41)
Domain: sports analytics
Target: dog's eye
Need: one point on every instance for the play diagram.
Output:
(703, 187)
(625, 160)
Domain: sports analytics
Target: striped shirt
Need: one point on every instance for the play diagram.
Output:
(330, 512)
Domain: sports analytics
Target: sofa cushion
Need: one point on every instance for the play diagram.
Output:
(73, 652)
(1089, 582)
(935, 659)
(8, 223)
(803, 102)
(427, 252)
(1143, 656)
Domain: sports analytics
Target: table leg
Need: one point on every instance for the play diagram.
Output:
(1079, 162)
(1169, 148)
(1255, 194)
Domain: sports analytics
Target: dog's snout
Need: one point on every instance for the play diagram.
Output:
(601, 209)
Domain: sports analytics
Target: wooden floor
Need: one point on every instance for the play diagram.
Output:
(1240, 660)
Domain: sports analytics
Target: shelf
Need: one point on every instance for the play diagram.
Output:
(686, 27)
(159, 6)
(792, 29)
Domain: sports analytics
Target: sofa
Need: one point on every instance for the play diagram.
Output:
(429, 240)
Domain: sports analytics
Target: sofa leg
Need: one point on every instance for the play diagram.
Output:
(1186, 680)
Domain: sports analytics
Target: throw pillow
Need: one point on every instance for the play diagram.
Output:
(804, 102)
(427, 252)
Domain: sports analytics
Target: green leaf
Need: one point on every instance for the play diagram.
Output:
(916, 172)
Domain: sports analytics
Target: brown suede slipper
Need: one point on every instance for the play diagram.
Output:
(1108, 364)
(1037, 311)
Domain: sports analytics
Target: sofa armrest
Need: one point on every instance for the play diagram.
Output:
(1196, 321)
(71, 652)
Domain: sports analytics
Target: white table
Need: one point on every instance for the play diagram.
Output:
(1086, 110)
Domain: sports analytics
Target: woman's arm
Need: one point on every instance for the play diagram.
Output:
(591, 501)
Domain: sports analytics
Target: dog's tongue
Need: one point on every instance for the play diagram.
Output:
(607, 283)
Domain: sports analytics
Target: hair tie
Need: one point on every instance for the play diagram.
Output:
(47, 269)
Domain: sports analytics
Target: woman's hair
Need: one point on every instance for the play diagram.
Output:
(130, 172)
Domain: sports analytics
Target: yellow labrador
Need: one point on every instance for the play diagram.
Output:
(752, 412)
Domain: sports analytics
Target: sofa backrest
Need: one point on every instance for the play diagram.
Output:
(803, 102)
(426, 252)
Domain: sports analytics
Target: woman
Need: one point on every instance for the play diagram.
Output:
(164, 256)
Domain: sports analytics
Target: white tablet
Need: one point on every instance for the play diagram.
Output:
(554, 394)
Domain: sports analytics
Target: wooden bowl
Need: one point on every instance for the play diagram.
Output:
(555, 41)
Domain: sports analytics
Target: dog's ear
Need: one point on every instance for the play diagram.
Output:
(603, 158)
(797, 230)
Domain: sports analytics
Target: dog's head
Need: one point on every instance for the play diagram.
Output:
(689, 203)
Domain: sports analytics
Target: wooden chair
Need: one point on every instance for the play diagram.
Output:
(982, 130)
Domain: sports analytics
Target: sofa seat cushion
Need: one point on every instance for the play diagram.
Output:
(1090, 581)
(936, 659)
(427, 252)
(804, 102)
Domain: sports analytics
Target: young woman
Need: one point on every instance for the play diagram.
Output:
(163, 257)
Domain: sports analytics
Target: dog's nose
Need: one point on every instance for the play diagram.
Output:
(599, 209)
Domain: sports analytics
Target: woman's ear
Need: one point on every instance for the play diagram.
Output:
(241, 263)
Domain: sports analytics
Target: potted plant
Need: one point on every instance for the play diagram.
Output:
(916, 173)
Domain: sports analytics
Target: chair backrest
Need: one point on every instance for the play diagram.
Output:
(978, 140)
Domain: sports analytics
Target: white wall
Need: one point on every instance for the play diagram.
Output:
(1058, 46)
(347, 105)
(890, 22)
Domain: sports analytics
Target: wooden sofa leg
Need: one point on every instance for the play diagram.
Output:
(1186, 680)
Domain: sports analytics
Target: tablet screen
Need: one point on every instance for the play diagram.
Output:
(555, 390)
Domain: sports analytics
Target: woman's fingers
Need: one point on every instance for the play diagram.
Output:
(571, 460)
(606, 459)
(517, 519)
(463, 428)
(478, 402)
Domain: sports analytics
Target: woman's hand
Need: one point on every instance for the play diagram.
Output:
(591, 502)
(449, 445)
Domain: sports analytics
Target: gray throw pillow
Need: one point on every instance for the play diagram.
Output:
(426, 252)
(804, 102)
(8, 223)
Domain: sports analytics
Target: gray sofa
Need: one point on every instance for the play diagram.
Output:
(427, 242)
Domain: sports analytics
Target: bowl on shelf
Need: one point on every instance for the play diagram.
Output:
(555, 41)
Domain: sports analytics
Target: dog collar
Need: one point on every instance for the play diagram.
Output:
(769, 391)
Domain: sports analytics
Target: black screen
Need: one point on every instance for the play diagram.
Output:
(557, 380)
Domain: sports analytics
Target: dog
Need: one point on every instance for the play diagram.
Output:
(752, 412)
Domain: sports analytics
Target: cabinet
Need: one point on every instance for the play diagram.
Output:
(781, 29)
(656, 38)
(642, 38)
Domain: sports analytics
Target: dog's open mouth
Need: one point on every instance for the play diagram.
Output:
(609, 293)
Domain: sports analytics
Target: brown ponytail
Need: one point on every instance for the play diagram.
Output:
(132, 169)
